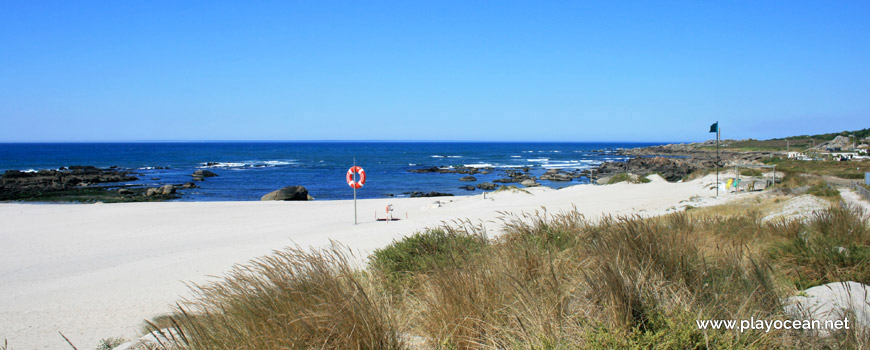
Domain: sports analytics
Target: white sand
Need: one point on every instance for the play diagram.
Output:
(96, 271)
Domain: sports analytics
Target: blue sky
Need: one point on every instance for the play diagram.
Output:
(443, 70)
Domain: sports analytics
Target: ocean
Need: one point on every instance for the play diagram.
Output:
(248, 170)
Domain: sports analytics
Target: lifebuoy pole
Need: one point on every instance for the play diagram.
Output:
(354, 192)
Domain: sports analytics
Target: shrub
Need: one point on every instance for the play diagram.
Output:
(833, 246)
(426, 251)
(626, 177)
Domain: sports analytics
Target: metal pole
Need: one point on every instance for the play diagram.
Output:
(354, 193)
(718, 131)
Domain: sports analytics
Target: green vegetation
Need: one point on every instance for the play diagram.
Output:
(750, 172)
(794, 143)
(860, 134)
(550, 281)
(833, 246)
(845, 170)
(512, 188)
(110, 343)
(626, 177)
(424, 252)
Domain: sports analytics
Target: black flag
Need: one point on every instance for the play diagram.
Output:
(714, 127)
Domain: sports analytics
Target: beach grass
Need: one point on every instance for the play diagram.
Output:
(549, 281)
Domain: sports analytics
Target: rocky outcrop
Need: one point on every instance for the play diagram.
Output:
(416, 194)
(203, 174)
(556, 177)
(16, 184)
(468, 178)
(671, 169)
(451, 170)
(833, 302)
(487, 186)
(467, 188)
(289, 193)
(530, 183)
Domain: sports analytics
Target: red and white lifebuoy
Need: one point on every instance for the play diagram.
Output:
(362, 177)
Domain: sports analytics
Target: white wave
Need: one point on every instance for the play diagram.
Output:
(516, 156)
(538, 160)
(480, 165)
(223, 165)
(436, 156)
(411, 164)
(248, 164)
(279, 162)
(29, 171)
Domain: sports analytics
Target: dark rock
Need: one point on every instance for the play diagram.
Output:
(18, 185)
(487, 186)
(289, 193)
(430, 194)
(198, 178)
(671, 169)
(189, 185)
(467, 187)
(530, 183)
(167, 189)
(124, 191)
(203, 173)
(468, 178)
(556, 177)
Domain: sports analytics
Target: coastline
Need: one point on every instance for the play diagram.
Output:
(97, 271)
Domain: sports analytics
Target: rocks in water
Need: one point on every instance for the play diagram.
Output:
(17, 185)
(457, 170)
(124, 192)
(468, 178)
(189, 185)
(167, 189)
(556, 177)
(507, 180)
(416, 194)
(467, 187)
(198, 178)
(671, 169)
(203, 174)
(487, 186)
(529, 183)
(289, 193)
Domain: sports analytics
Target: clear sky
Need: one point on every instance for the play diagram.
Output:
(442, 70)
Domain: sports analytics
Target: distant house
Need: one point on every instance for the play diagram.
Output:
(844, 156)
(797, 155)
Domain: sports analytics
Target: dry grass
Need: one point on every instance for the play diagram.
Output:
(550, 281)
(292, 299)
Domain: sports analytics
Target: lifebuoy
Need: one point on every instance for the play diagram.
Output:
(362, 177)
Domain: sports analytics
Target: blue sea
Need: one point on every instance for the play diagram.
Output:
(248, 170)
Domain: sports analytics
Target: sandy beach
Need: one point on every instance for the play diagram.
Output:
(96, 271)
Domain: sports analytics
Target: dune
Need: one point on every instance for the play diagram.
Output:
(96, 271)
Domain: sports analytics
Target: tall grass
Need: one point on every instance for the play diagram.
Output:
(291, 299)
(550, 281)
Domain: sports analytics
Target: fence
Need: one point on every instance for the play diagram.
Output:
(862, 191)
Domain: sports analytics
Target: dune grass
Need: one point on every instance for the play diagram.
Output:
(549, 281)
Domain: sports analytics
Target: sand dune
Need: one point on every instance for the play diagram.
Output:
(96, 271)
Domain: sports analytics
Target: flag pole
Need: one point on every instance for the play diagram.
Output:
(718, 132)
(354, 192)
